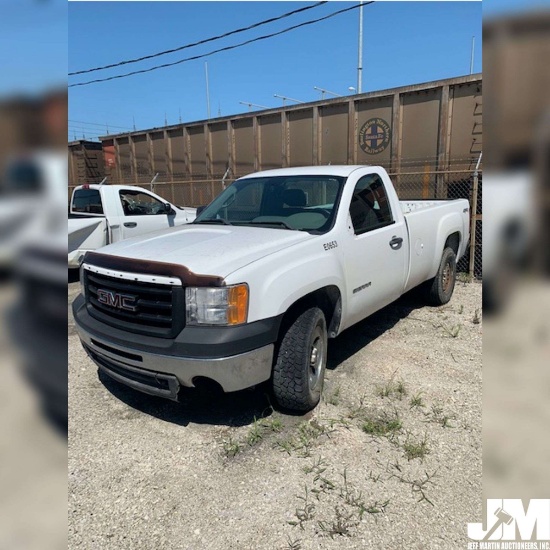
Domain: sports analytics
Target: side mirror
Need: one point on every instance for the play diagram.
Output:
(167, 208)
(200, 209)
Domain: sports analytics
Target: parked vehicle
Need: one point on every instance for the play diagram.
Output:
(105, 214)
(278, 263)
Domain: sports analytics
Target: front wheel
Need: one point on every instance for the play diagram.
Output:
(441, 287)
(299, 370)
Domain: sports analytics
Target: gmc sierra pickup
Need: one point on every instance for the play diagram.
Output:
(250, 291)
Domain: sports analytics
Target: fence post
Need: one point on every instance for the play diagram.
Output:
(473, 224)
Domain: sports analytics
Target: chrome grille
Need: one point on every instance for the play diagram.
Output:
(144, 308)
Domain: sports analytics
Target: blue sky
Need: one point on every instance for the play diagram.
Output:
(33, 45)
(404, 43)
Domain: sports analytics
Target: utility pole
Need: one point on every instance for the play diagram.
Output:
(472, 57)
(207, 90)
(360, 61)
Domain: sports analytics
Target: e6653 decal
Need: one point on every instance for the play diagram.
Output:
(330, 245)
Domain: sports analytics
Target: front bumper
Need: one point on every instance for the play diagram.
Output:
(159, 366)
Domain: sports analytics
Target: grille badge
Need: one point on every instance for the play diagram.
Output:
(117, 300)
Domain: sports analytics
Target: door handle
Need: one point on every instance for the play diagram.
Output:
(396, 243)
(130, 224)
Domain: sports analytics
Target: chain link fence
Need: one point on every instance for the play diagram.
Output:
(452, 184)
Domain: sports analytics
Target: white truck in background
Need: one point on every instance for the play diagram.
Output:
(250, 291)
(104, 214)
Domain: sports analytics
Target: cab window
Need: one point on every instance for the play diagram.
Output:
(137, 203)
(87, 201)
(370, 208)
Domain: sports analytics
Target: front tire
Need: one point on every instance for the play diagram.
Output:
(442, 285)
(299, 371)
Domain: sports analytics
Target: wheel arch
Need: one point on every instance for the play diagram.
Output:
(328, 299)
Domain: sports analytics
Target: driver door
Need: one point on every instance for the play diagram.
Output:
(143, 213)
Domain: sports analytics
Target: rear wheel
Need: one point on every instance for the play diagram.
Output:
(441, 287)
(299, 370)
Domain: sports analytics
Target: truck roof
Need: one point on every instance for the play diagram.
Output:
(329, 170)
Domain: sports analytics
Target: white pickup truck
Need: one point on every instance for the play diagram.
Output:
(278, 263)
(105, 214)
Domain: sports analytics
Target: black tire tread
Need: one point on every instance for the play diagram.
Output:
(436, 295)
(290, 382)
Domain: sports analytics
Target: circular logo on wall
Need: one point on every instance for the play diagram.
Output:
(374, 136)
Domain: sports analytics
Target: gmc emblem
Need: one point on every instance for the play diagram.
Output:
(117, 300)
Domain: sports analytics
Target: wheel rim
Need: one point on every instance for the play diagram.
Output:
(316, 360)
(447, 277)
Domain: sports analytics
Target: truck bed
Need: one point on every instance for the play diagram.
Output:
(426, 221)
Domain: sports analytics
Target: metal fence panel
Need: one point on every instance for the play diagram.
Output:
(458, 184)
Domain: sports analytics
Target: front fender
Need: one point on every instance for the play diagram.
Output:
(279, 280)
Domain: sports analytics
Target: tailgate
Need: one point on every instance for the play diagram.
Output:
(87, 233)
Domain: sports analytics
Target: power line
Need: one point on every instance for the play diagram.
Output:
(227, 48)
(205, 41)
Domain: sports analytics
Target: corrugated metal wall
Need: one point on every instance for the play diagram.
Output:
(429, 127)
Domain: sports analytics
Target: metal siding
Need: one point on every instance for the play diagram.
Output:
(177, 143)
(333, 134)
(379, 108)
(159, 153)
(270, 142)
(141, 148)
(198, 151)
(244, 146)
(466, 125)
(218, 136)
(301, 138)
(124, 158)
(421, 127)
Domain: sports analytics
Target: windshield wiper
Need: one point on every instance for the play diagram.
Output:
(215, 220)
(274, 222)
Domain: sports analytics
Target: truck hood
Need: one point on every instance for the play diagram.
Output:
(208, 249)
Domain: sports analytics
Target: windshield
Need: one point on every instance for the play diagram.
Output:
(303, 203)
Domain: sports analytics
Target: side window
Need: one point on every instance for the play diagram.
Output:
(369, 208)
(87, 201)
(136, 203)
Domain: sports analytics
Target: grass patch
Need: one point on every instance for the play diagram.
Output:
(334, 397)
(392, 388)
(381, 426)
(231, 447)
(477, 317)
(438, 416)
(416, 448)
(342, 524)
(416, 401)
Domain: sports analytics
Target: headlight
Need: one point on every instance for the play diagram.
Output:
(216, 306)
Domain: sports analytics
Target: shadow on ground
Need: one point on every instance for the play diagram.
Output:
(209, 405)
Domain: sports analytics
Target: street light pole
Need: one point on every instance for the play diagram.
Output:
(284, 98)
(472, 57)
(207, 89)
(323, 92)
(250, 105)
(360, 55)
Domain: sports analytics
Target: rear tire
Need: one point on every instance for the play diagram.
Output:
(441, 287)
(299, 370)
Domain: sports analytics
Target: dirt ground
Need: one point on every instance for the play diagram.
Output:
(391, 458)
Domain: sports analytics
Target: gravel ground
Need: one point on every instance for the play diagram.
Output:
(391, 458)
